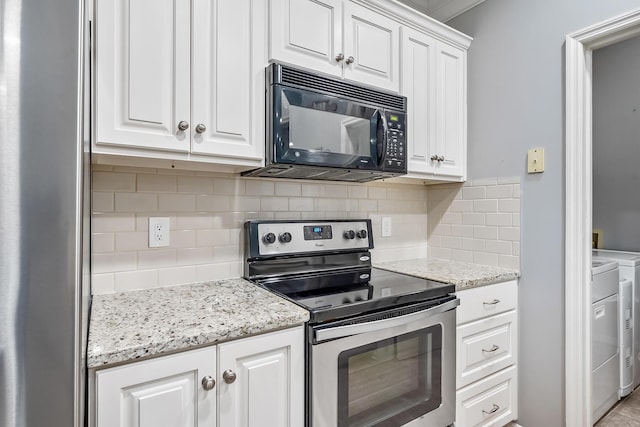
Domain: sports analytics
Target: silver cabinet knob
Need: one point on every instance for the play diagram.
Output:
(183, 125)
(350, 60)
(441, 159)
(229, 376)
(434, 158)
(339, 57)
(208, 383)
(200, 128)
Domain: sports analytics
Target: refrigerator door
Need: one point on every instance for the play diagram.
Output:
(41, 213)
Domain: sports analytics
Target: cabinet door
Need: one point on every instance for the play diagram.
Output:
(419, 86)
(166, 391)
(268, 389)
(371, 47)
(307, 33)
(142, 73)
(229, 60)
(451, 109)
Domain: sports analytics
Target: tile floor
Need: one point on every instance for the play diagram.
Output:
(625, 414)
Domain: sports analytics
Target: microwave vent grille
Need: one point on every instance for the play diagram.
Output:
(318, 173)
(299, 78)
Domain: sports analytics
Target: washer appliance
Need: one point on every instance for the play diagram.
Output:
(605, 353)
(629, 268)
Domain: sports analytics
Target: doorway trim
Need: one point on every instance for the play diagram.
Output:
(578, 207)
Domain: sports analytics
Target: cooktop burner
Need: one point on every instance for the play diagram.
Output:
(325, 267)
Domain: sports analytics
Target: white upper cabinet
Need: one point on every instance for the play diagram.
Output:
(181, 77)
(434, 82)
(337, 37)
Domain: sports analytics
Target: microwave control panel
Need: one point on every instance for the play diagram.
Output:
(396, 153)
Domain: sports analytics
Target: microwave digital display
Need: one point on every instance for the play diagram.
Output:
(317, 232)
(393, 118)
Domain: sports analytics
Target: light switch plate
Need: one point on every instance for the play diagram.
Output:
(535, 160)
(386, 226)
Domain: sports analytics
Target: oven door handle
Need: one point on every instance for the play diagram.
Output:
(376, 325)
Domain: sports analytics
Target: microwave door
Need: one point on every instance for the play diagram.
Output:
(310, 128)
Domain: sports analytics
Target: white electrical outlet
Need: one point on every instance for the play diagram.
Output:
(158, 232)
(386, 226)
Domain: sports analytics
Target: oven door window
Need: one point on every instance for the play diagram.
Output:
(392, 381)
(316, 129)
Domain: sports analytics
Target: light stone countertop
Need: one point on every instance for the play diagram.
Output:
(462, 274)
(130, 325)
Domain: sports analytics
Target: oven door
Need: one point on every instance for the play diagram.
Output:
(390, 372)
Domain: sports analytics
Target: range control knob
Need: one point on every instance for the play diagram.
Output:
(349, 234)
(362, 234)
(284, 237)
(269, 238)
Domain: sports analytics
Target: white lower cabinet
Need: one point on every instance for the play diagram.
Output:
(251, 382)
(486, 356)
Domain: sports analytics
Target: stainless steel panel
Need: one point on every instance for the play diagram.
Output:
(41, 213)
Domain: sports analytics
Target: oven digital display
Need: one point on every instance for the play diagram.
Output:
(317, 232)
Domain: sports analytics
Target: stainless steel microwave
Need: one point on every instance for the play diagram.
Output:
(320, 127)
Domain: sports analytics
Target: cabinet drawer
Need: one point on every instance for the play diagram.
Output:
(485, 347)
(489, 402)
(484, 301)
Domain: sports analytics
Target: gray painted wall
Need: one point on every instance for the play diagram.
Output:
(516, 102)
(616, 144)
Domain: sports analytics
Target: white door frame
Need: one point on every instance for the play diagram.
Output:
(578, 207)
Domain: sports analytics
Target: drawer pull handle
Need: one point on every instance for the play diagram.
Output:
(492, 349)
(494, 302)
(493, 410)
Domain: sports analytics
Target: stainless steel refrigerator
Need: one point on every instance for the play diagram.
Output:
(43, 214)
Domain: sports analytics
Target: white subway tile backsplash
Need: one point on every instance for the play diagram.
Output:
(195, 256)
(490, 227)
(508, 261)
(133, 280)
(511, 205)
(288, 189)
(103, 283)
(472, 193)
(498, 247)
(102, 242)
(462, 230)
(274, 204)
(499, 219)
(157, 183)
(131, 241)
(177, 202)
(207, 212)
(485, 205)
(136, 202)
(336, 191)
(486, 233)
(156, 258)
(113, 261)
(110, 222)
(112, 181)
(259, 188)
(177, 275)
(102, 201)
(205, 203)
(195, 184)
(469, 218)
(236, 186)
(500, 192)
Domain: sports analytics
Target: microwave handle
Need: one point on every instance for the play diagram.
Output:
(381, 139)
(376, 325)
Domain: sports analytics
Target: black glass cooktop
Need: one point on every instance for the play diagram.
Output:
(353, 292)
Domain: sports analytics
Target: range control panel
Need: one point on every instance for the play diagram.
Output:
(267, 238)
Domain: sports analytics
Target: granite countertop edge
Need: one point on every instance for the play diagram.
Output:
(463, 275)
(137, 324)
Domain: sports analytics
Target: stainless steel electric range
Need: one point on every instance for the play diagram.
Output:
(380, 345)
